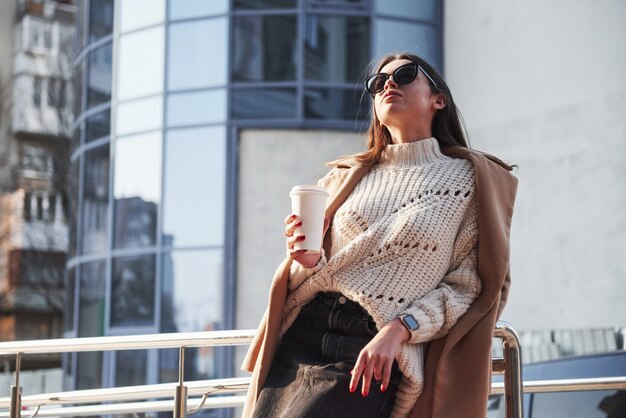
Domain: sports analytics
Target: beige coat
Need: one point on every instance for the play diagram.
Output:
(457, 371)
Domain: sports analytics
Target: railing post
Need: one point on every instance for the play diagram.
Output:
(16, 396)
(513, 383)
(180, 400)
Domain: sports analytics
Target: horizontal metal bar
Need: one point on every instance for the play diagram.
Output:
(133, 393)
(134, 407)
(129, 342)
(498, 365)
(566, 385)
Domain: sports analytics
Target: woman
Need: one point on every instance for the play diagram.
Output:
(400, 266)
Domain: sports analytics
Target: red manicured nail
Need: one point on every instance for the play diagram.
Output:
(301, 237)
(352, 390)
(299, 223)
(382, 388)
(292, 216)
(365, 394)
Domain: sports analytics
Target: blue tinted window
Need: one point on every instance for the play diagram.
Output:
(264, 48)
(194, 180)
(422, 9)
(181, 9)
(264, 103)
(95, 211)
(99, 75)
(132, 291)
(198, 54)
(100, 19)
(137, 189)
(394, 36)
(337, 48)
(196, 108)
(335, 103)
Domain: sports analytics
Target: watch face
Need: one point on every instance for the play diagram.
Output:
(411, 322)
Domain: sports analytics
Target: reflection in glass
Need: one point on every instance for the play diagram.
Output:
(99, 76)
(131, 368)
(68, 366)
(263, 103)
(80, 28)
(95, 200)
(73, 205)
(132, 292)
(91, 322)
(198, 54)
(70, 294)
(392, 35)
(337, 48)
(196, 108)
(91, 299)
(77, 88)
(98, 126)
(139, 13)
(181, 9)
(101, 19)
(75, 137)
(192, 290)
(423, 9)
(350, 104)
(191, 301)
(586, 404)
(264, 4)
(137, 189)
(194, 215)
(264, 48)
(141, 62)
(139, 115)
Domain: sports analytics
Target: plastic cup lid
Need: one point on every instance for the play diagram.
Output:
(308, 188)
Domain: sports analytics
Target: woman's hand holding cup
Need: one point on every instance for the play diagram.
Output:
(304, 257)
(307, 225)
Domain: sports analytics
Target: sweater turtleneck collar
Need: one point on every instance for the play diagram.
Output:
(411, 154)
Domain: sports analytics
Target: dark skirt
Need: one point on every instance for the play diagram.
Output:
(310, 374)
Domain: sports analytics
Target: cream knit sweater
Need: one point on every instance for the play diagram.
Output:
(405, 241)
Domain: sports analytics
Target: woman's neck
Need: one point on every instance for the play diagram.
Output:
(403, 135)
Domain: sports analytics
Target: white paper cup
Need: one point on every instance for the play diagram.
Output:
(309, 202)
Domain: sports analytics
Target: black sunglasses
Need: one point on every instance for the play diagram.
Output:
(403, 75)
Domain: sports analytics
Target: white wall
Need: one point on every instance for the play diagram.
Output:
(270, 163)
(542, 84)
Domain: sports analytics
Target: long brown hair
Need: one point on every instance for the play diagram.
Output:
(447, 127)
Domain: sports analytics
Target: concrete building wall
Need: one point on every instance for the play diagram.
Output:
(271, 162)
(542, 84)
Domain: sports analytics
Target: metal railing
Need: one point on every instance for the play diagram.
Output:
(133, 342)
(185, 398)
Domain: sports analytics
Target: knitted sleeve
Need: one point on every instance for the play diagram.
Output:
(440, 309)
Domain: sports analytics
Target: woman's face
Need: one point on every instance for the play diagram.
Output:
(411, 105)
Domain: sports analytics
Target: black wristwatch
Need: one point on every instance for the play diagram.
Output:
(409, 322)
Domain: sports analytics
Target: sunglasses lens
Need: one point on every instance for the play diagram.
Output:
(405, 75)
(376, 83)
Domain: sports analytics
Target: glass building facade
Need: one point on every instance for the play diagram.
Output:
(164, 87)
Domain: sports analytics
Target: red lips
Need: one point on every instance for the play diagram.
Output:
(391, 93)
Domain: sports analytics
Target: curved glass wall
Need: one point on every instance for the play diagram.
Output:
(162, 85)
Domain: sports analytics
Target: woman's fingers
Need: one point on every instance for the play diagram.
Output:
(366, 368)
(292, 222)
(359, 366)
(386, 376)
(291, 253)
(367, 378)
